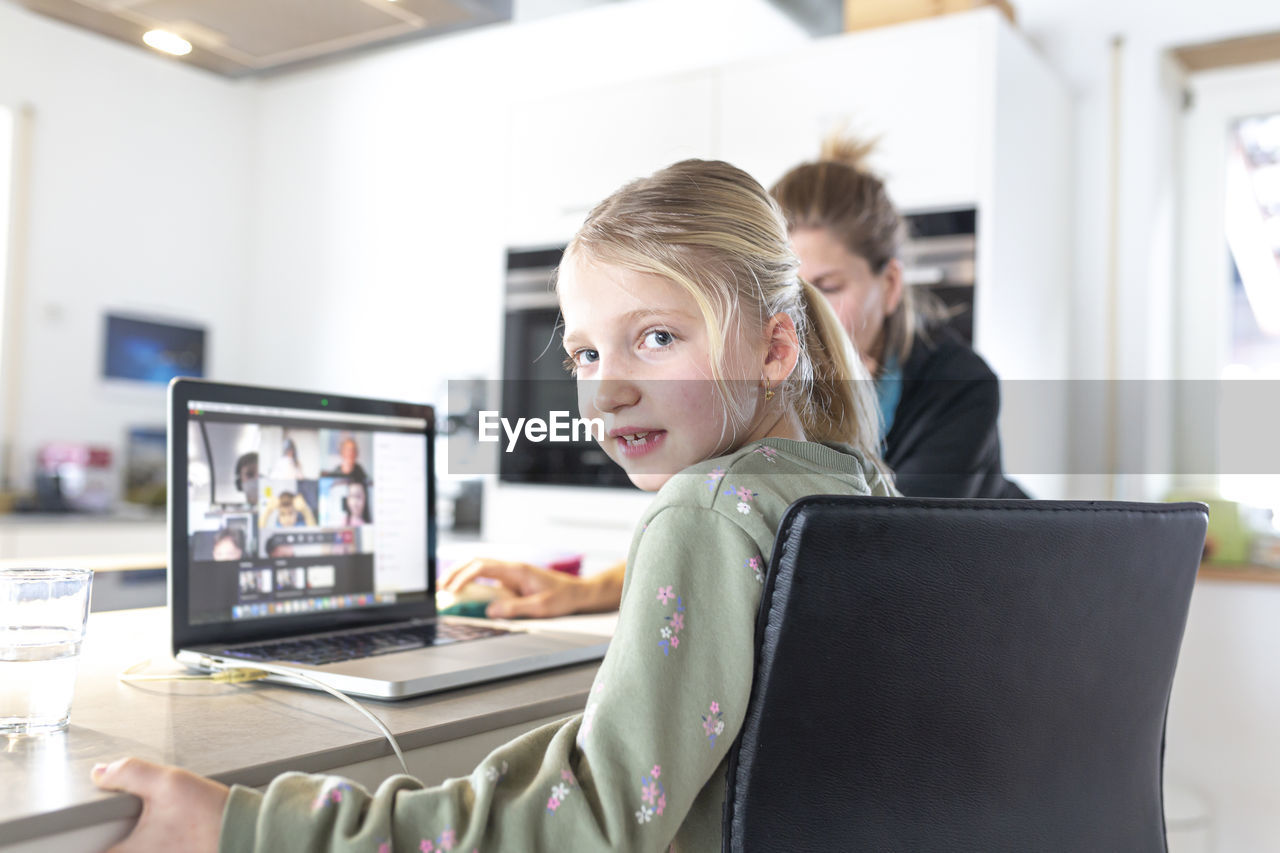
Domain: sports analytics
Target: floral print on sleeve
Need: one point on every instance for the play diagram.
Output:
(442, 843)
(653, 796)
(769, 453)
(756, 565)
(714, 476)
(713, 723)
(675, 621)
(330, 795)
(744, 496)
(495, 774)
(561, 790)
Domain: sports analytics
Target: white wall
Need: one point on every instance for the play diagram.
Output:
(1222, 743)
(139, 190)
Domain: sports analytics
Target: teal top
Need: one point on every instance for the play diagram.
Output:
(889, 392)
(643, 766)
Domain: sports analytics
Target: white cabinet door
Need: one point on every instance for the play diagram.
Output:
(570, 152)
(932, 126)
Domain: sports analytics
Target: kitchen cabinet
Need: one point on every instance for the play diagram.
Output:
(570, 151)
(774, 112)
(966, 115)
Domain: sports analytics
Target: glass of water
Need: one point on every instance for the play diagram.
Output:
(42, 618)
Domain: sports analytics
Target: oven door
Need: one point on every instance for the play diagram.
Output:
(535, 384)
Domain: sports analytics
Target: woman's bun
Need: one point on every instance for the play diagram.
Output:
(849, 150)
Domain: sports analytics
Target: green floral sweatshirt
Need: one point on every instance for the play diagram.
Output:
(643, 766)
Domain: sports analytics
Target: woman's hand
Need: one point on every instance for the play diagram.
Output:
(539, 592)
(180, 810)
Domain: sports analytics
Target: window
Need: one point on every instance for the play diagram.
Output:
(7, 122)
(1229, 325)
(8, 125)
(1252, 214)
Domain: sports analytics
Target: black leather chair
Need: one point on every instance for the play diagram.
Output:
(953, 675)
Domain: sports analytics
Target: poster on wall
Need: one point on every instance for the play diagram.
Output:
(150, 351)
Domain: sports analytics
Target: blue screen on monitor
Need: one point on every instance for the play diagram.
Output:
(152, 352)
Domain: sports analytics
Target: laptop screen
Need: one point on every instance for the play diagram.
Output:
(301, 512)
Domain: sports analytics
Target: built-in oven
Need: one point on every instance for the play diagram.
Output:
(535, 382)
(938, 257)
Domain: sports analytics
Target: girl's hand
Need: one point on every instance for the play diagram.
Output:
(180, 810)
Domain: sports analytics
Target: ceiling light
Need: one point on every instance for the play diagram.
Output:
(167, 42)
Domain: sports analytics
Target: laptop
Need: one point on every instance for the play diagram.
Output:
(302, 535)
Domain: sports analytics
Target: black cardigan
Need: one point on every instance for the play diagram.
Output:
(944, 441)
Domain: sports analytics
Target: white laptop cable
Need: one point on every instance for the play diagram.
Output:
(257, 672)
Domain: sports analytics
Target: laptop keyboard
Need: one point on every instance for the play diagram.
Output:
(315, 651)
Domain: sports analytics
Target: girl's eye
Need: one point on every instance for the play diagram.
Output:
(659, 338)
(580, 358)
(830, 286)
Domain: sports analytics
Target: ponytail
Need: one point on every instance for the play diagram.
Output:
(841, 404)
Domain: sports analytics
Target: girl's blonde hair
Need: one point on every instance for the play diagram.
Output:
(710, 228)
(838, 193)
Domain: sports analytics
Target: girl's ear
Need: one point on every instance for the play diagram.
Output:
(783, 349)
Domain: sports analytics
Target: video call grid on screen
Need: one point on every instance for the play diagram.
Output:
(293, 511)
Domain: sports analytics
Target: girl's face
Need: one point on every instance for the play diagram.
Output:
(639, 347)
(861, 298)
(287, 512)
(226, 549)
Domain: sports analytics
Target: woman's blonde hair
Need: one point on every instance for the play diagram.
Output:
(838, 193)
(710, 228)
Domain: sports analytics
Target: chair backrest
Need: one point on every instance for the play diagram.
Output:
(964, 675)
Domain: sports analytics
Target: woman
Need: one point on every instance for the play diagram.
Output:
(356, 505)
(939, 399)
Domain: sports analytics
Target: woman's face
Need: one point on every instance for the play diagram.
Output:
(639, 347)
(862, 299)
(348, 452)
(355, 500)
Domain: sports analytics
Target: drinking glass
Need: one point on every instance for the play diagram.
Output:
(42, 619)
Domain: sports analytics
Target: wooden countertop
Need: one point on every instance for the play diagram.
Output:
(101, 563)
(1238, 572)
(246, 733)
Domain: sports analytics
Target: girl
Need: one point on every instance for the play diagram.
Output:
(717, 372)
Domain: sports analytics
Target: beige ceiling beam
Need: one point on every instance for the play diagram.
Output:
(865, 14)
(1248, 50)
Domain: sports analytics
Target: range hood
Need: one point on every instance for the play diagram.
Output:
(239, 38)
(817, 17)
